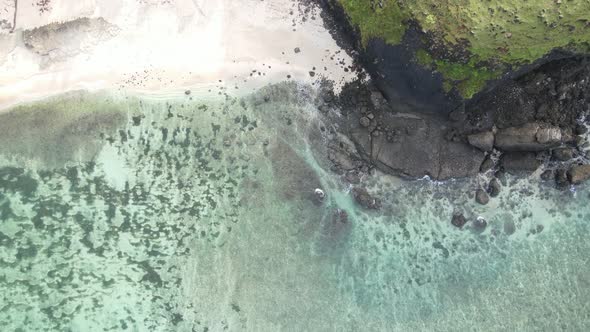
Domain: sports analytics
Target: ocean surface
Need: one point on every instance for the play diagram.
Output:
(197, 213)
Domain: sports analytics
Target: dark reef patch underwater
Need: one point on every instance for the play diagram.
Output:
(127, 213)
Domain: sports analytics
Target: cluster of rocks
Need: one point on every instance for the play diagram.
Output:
(531, 121)
(525, 123)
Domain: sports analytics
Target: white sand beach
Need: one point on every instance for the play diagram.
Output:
(162, 47)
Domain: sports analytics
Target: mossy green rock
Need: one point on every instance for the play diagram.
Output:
(497, 35)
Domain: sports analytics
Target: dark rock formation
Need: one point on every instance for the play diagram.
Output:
(494, 187)
(483, 141)
(556, 93)
(340, 216)
(516, 162)
(407, 144)
(561, 179)
(487, 164)
(415, 146)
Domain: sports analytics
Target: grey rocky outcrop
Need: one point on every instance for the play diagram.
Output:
(483, 141)
(515, 162)
(415, 146)
(530, 137)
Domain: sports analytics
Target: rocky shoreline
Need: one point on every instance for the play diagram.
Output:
(532, 122)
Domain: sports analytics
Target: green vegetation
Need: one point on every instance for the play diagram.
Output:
(505, 32)
(385, 22)
(424, 58)
(469, 79)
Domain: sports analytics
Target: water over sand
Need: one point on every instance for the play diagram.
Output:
(199, 215)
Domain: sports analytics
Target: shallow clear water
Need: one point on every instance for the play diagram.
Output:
(126, 213)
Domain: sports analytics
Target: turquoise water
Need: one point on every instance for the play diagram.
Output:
(197, 214)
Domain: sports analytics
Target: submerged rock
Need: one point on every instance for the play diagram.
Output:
(509, 227)
(494, 187)
(482, 197)
(364, 199)
(319, 195)
(480, 224)
(458, 220)
(340, 216)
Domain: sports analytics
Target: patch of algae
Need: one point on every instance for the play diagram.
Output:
(508, 32)
(385, 22)
(467, 78)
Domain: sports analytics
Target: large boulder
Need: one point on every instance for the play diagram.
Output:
(530, 137)
(515, 162)
(579, 173)
(483, 141)
(458, 160)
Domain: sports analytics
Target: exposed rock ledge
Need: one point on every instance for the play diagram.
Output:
(414, 146)
(407, 144)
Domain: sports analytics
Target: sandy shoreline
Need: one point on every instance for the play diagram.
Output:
(164, 48)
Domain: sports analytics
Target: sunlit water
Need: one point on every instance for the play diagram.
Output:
(197, 214)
